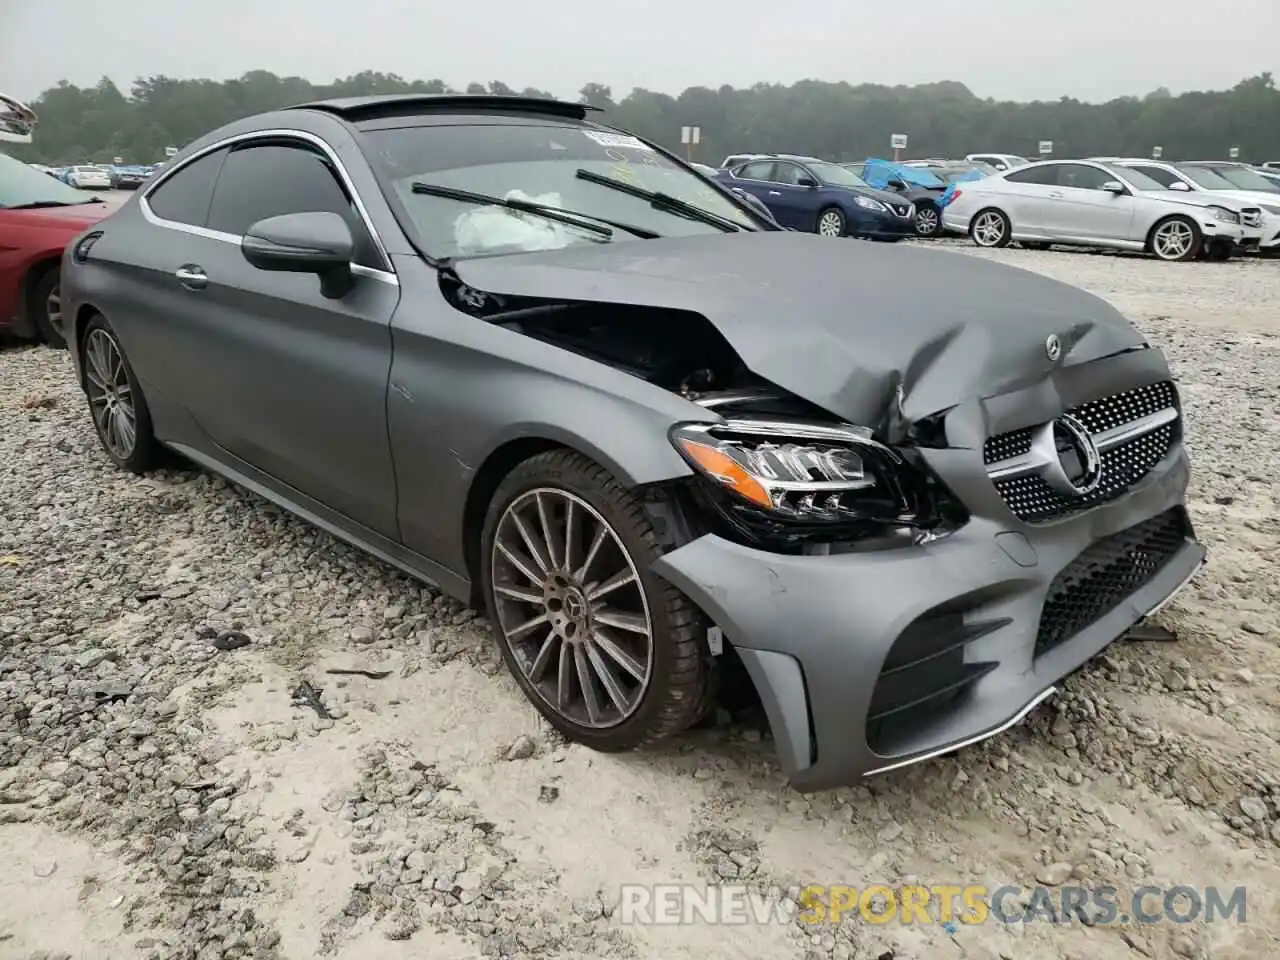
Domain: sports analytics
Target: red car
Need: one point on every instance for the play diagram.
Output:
(38, 217)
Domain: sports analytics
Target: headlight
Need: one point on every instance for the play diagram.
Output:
(867, 203)
(1225, 215)
(1270, 208)
(796, 476)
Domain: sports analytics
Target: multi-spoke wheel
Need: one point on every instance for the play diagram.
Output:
(1176, 238)
(120, 414)
(610, 653)
(831, 222)
(928, 220)
(991, 228)
(46, 308)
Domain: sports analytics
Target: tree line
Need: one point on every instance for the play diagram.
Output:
(838, 121)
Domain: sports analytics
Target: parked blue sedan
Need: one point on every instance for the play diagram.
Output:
(808, 194)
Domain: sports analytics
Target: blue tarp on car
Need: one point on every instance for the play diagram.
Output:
(878, 173)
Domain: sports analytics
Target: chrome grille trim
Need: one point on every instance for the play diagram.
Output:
(1132, 431)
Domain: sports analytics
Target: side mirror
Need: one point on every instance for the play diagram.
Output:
(1114, 186)
(1179, 186)
(807, 182)
(319, 243)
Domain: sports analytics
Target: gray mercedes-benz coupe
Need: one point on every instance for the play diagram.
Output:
(550, 368)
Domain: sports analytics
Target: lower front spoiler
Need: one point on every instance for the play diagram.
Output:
(814, 632)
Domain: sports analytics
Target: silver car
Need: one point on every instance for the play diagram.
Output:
(1087, 203)
(1223, 181)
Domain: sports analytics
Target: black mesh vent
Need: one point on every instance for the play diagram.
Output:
(925, 675)
(1035, 501)
(1100, 579)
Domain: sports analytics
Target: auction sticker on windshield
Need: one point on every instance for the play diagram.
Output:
(617, 140)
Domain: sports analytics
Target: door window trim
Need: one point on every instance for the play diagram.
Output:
(386, 275)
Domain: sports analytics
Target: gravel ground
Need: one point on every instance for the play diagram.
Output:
(161, 797)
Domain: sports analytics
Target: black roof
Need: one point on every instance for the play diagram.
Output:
(364, 108)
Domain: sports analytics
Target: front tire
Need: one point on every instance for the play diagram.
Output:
(928, 221)
(607, 651)
(1176, 239)
(121, 417)
(46, 308)
(991, 228)
(831, 222)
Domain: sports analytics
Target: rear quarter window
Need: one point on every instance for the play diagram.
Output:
(184, 197)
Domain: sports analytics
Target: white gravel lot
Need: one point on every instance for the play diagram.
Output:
(160, 798)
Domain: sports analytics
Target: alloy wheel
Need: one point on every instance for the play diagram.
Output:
(1173, 240)
(110, 394)
(926, 221)
(53, 309)
(571, 607)
(988, 229)
(831, 224)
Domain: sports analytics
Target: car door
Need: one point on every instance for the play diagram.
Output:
(756, 178)
(277, 375)
(796, 205)
(1084, 210)
(1027, 195)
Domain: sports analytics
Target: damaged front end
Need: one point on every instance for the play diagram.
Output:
(770, 469)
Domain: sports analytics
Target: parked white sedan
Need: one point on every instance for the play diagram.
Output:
(1230, 181)
(88, 178)
(1091, 204)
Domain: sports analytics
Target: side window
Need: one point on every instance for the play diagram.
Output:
(789, 173)
(1082, 177)
(759, 170)
(1158, 174)
(1046, 176)
(184, 197)
(274, 179)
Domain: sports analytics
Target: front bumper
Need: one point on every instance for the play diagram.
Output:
(879, 225)
(815, 631)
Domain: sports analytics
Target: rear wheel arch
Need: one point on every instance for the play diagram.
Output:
(36, 272)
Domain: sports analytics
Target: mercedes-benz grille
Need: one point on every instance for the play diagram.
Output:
(1093, 454)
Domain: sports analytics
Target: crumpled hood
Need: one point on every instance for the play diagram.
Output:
(843, 324)
(1196, 199)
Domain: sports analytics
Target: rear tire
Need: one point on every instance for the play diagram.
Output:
(991, 228)
(121, 417)
(928, 221)
(46, 309)
(638, 645)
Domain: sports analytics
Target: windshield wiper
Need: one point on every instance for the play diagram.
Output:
(663, 201)
(573, 218)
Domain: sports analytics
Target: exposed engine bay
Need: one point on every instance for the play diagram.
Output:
(673, 349)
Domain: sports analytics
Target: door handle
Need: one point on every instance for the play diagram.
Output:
(1056, 194)
(775, 193)
(192, 277)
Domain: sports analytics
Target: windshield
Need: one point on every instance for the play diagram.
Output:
(1208, 178)
(1236, 178)
(835, 174)
(537, 163)
(1136, 178)
(22, 185)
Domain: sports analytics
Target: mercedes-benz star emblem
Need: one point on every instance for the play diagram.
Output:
(1053, 347)
(1075, 468)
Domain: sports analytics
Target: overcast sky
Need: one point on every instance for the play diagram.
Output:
(1008, 49)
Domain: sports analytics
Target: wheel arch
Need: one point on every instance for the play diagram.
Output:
(621, 463)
